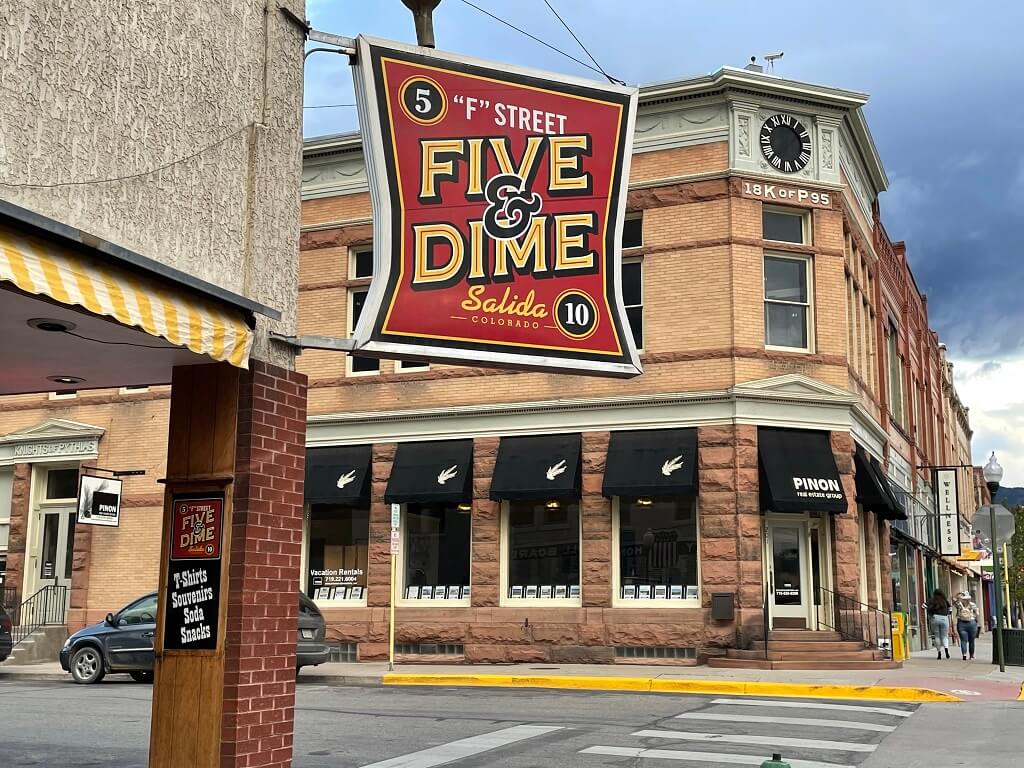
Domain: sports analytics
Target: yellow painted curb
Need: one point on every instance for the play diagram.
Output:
(668, 685)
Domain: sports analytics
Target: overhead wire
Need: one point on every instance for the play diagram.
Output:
(533, 37)
(581, 45)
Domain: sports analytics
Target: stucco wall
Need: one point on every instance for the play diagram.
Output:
(95, 90)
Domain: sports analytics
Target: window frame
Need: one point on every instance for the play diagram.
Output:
(802, 214)
(406, 602)
(350, 304)
(353, 252)
(633, 216)
(626, 307)
(307, 517)
(893, 357)
(506, 601)
(620, 602)
(63, 394)
(411, 366)
(808, 262)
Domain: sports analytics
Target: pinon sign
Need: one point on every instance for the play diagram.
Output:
(498, 199)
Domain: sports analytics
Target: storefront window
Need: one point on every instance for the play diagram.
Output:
(897, 579)
(436, 553)
(338, 551)
(657, 542)
(543, 550)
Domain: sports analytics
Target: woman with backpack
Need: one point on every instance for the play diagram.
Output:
(938, 622)
(966, 622)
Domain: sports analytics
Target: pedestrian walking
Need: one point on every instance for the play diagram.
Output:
(966, 622)
(938, 622)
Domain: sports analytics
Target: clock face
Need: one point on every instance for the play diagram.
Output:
(785, 143)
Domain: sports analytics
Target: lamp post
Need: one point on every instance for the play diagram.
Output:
(993, 476)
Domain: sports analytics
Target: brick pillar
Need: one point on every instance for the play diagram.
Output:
(265, 553)
(884, 548)
(20, 491)
(845, 533)
(79, 598)
(486, 530)
(374, 647)
(750, 536)
(596, 520)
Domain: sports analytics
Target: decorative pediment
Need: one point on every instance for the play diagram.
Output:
(53, 429)
(793, 386)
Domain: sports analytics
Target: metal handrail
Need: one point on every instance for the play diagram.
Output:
(853, 620)
(47, 607)
(9, 598)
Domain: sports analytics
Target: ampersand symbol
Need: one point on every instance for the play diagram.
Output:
(511, 207)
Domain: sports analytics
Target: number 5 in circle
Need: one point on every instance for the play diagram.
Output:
(423, 100)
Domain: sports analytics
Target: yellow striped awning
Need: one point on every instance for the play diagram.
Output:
(72, 278)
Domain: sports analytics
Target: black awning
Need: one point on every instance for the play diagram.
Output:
(545, 467)
(339, 475)
(873, 491)
(437, 472)
(798, 471)
(655, 462)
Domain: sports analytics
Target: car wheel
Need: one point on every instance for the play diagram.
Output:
(142, 677)
(87, 665)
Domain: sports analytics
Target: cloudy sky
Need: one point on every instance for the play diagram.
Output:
(946, 112)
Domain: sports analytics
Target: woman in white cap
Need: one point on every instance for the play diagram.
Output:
(966, 622)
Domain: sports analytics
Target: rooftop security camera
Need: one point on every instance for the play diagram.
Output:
(773, 56)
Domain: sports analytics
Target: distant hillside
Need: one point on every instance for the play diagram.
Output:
(1010, 497)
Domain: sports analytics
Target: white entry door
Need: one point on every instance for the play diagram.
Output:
(51, 554)
(790, 587)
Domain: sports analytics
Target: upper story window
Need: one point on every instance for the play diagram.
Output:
(633, 298)
(787, 302)
(361, 262)
(633, 231)
(356, 363)
(62, 483)
(784, 226)
(895, 364)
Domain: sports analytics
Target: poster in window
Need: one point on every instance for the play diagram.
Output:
(660, 591)
(466, 593)
(357, 593)
(644, 593)
(676, 592)
(691, 592)
(426, 593)
(546, 591)
(574, 590)
(561, 591)
(531, 590)
(412, 593)
(629, 592)
(517, 590)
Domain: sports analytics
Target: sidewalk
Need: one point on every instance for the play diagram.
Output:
(922, 678)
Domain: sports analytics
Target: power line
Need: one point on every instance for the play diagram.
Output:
(580, 42)
(126, 177)
(533, 37)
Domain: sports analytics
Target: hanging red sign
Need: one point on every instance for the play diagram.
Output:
(498, 202)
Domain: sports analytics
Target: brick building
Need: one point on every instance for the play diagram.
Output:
(791, 390)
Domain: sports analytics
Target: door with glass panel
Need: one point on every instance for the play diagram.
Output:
(790, 589)
(51, 548)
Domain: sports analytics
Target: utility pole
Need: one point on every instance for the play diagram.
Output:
(423, 14)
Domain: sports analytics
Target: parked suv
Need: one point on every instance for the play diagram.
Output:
(123, 642)
(6, 644)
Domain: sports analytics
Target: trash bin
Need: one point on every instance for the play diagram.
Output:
(1013, 647)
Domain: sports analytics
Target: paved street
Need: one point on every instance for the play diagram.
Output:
(59, 724)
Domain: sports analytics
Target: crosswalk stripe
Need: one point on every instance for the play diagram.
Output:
(814, 721)
(815, 705)
(774, 741)
(704, 757)
(463, 748)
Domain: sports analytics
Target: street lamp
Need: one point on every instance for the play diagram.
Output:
(993, 476)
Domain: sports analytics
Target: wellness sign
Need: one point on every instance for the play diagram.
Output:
(498, 203)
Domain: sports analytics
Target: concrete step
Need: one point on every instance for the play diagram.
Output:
(721, 662)
(42, 645)
(861, 655)
(804, 636)
(810, 647)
